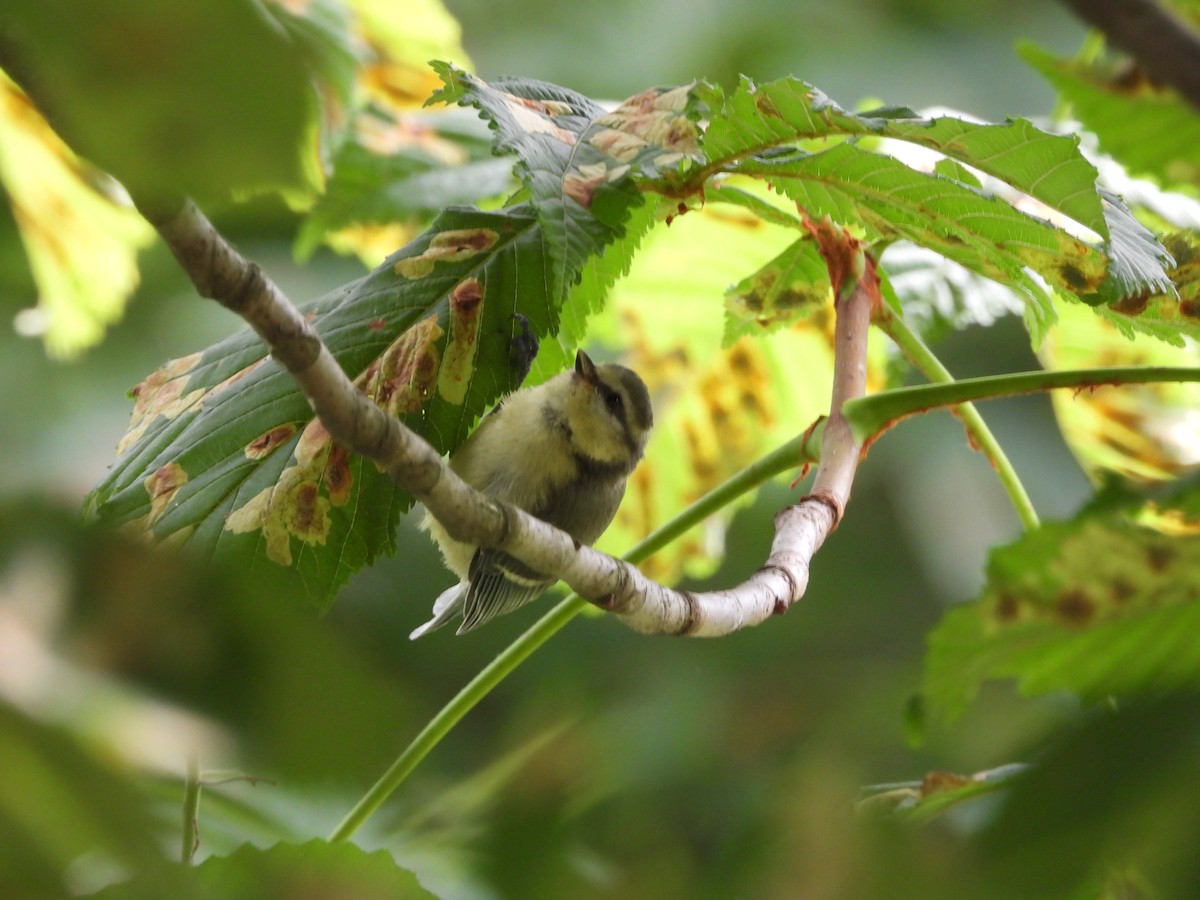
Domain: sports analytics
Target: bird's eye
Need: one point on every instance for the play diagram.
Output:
(613, 401)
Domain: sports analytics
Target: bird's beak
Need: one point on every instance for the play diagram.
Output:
(585, 369)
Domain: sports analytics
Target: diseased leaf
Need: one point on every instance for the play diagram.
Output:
(1045, 166)
(1097, 606)
(793, 285)
(576, 158)
(1145, 432)
(224, 454)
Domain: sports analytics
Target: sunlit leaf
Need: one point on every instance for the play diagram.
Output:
(80, 233)
(1147, 431)
(223, 452)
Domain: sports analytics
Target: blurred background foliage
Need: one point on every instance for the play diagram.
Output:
(609, 765)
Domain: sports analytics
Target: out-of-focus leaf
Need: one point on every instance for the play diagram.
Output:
(1150, 130)
(396, 172)
(62, 809)
(224, 454)
(936, 792)
(394, 166)
(575, 157)
(181, 98)
(289, 872)
(793, 285)
(1144, 432)
(1097, 606)
(1108, 811)
(81, 236)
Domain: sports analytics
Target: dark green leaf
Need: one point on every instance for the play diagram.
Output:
(312, 869)
(181, 98)
(224, 454)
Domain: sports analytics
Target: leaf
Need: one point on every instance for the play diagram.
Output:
(936, 792)
(81, 236)
(61, 807)
(1044, 166)
(1097, 606)
(939, 203)
(396, 172)
(223, 452)
(1150, 130)
(576, 158)
(793, 285)
(312, 869)
(171, 99)
(590, 294)
(1142, 432)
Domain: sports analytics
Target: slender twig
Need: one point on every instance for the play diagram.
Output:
(191, 810)
(218, 271)
(1165, 45)
(981, 436)
(802, 448)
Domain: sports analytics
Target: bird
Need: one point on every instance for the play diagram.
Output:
(562, 451)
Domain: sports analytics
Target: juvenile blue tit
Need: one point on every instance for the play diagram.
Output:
(562, 452)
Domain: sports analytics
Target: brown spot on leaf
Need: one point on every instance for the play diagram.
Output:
(940, 782)
(1075, 279)
(447, 246)
(1133, 305)
(1190, 308)
(338, 479)
(377, 324)
(458, 363)
(766, 106)
(1159, 557)
(162, 487)
(1122, 592)
(402, 380)
(1007, 608)
(265, 443)
(1075, 607)
(581, 188)
(314, 441)
(308, 513)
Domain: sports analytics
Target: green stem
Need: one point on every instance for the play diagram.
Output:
(191, 810)
(870, 416)
(924, 359)
(796, 452)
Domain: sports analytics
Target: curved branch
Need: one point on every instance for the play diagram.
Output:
(221, 273)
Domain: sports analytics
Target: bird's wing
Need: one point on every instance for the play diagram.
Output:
(499, 584)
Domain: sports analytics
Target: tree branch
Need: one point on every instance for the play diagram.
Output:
(1164, 44)
(221, 273)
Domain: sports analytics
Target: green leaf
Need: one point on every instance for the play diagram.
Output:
(1097, 606)
(793, 285)
(312, 869)
(224, 454)
(443, 159)
(181, 98)
(1044, 166)
(59, 806)
(1150, 130)
(589, 295)
(576, 158)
